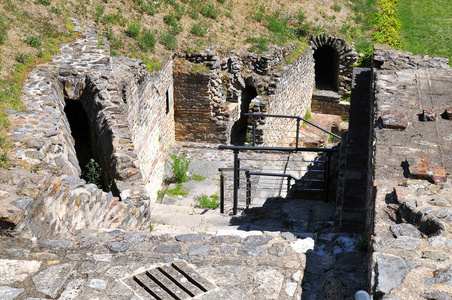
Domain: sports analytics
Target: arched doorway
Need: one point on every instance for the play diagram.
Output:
(326, 68)
(238, 131)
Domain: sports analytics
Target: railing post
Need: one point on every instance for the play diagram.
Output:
(327, 175)
(248, 189)
(288, 185)
(254, 132)
(221, 192)
(236, 182)
(298, 133)
(238, 174)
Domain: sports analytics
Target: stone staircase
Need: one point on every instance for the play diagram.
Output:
(270, 210)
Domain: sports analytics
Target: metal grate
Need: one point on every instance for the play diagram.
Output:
(168, 282)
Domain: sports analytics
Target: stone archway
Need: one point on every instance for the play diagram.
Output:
(344, 58)
(238, 131)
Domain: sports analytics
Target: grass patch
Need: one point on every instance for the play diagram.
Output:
(426, 26)
(295, 53)
(179, 190)
(198, 68)
(200, 29)
(198, 178)
(204, 201)
(147, 41)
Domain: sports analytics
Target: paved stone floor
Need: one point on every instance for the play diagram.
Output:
(412, 243)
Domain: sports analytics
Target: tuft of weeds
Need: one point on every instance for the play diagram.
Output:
(33, 41)
(98, 12)
(198, 178)
(336, 7)
(44, 2)
(204, 201)
(179, 165)
(147, 41)
(198, 68)
(152, 65)
(168, 39)
(209, 10)
(3, 30)
(179, 190)
(133, 29)
(200, 29)
(295, 53)
(115, 43)
(260, 44)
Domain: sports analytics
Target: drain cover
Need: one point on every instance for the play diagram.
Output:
(173, 281)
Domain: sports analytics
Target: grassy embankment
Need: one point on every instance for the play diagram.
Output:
(426, 27)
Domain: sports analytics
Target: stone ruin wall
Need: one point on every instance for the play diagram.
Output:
(411, 227)
(200, 114)
(126, 107)
(291, 97)
(150, 115)
(207, 104)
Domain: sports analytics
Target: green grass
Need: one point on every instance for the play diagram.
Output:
(179, 190)
(198, 178)
(426, 27)
(204, 201)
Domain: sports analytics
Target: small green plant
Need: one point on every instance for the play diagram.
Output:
(249, 137)
(337, 7)
(200, 29)
(260, 44)
(152, 226)
(308, 115)
(295, 53)
(24, 58)
(152, 65)
(160, 194)
(169, 40)
(3, 31)
(93, 172)
(209, 10)
(198, 178)
(147, 41)
(193, 13)
(179, 190)
(133, 29)
(99, 11)
(56, 10)
(204, 201)
(33, 41)
(179, 166)
(4, 161)
(44, 2)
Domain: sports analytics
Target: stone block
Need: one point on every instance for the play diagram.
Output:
(448, 113)
(394, 120)
(439, 175)
(419, 167)
(429, 114)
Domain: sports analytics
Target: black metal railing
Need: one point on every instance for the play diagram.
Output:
(298, 120)
(248, 173)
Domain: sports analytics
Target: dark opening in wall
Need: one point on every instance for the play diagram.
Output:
(167, 102)
(238, 131)
(326, 68)
(87, 147)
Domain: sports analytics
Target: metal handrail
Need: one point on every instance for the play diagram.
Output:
(221, 170)
(289, 178)
(282, 149)
(287, 117)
